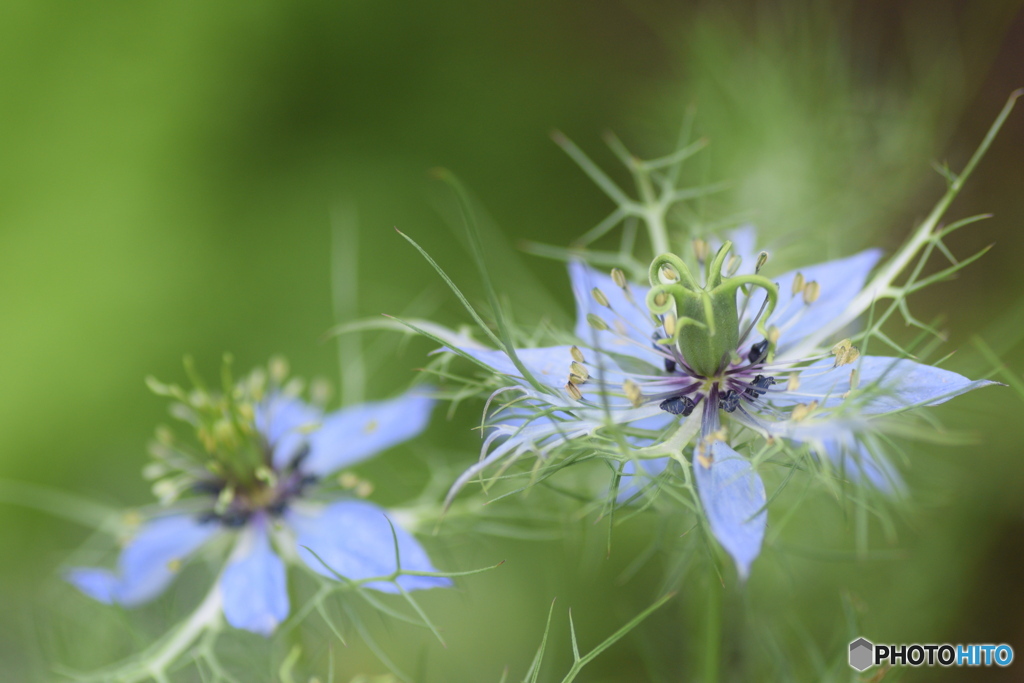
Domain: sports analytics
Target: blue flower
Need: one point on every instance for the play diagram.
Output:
(256, 487)
(774, 378)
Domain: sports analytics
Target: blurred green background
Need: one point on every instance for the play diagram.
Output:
(168, 176)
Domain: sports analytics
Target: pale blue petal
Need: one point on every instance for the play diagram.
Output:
(549, 365)
(148, 563)
(657, 422)
(355, 433)
(632, 327)
(253, 585)
(853, 459)
(630, 484)
(285, 422)
(354, 539)
(98, 584)
(733, 498)
(884, 384)
(840, 282)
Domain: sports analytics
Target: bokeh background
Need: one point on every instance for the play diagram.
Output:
(168, 177)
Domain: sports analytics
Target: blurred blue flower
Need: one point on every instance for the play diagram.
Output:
(634, 372)
(298, 447)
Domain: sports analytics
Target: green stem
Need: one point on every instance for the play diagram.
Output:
(880, 284)
(205, 616)
(654, 216)
(57, 503)
(713, 633)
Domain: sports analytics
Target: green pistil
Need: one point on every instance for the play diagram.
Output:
(703, 322)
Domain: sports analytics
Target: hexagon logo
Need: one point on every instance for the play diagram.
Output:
(862, 654)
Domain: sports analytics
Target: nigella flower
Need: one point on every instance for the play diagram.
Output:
(728, 343)
(259, 482)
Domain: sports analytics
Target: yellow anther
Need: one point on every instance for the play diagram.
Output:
(793, 383)
(224, 498)
(801, 411)
(669, 274)
(660, 299)
(278, 369)
(224, 433)
(576, 354)
(153, 470)
(320, 391)
(851, 355)
(347, 480)
(576, 379)
(579, 370)
(174, 566)
(596, 322)
(619, 278)
(732, 265)
(573, 391)
(265, 474)
(700, 250)
(704, 461)
(841, 347)
(600, 298)
(131, 519)
(669, 323)
(294, 387)
(364, 489)
(633, 393)
(257, 383)
(812, 290)
(166, 491)
(206, 438)
(845, 353)
(762, 259)
(370, 427)
(773, 335)
(798, 283)
(164, 435)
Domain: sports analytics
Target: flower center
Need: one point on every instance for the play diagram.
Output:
(738, 383)
(228, 458)
(702, 322)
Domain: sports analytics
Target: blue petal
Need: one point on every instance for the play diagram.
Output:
(253, 585)
(884, 384)
(285, 422)
(354, 539)
(630, 484)
(852, 458)
(733, 498)
(98, 584)
(148, 563)
(840, 281)
(628, 320)
(549, 365)
(355, 433)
